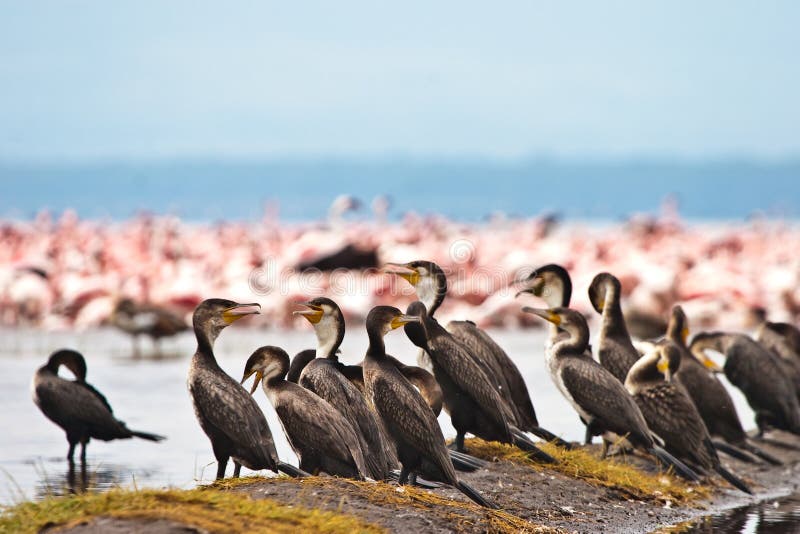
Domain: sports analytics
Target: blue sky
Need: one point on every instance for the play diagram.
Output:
(149, 80)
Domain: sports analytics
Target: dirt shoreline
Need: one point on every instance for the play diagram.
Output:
(546, 498)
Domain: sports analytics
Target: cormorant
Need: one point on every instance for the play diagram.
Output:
(671, 414)
(615, 350)
(228, 415)
(757, 372)
(405, 414)
(471, 400)
(708, 394)
(153, 321)
(325, 376)
(430, 284)
(320, 435)
(783, 339)
(76, 406)
(329, 327)
(598, 397)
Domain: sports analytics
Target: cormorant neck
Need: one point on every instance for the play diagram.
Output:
(205, 341)
(576, 343)
(431, 291)
(717, 341)
(642, 373)
(613, 321)
(330, 335)
(377, 348)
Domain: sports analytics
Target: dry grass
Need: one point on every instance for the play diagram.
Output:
(209, 509)
(609, 473)
(461, 515)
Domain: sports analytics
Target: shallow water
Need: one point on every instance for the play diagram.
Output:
(151, 395)
(778, 516)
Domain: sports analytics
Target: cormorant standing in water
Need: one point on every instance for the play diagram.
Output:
(405, 414)
(708, 394)
(320, 435)
(671, 414)
(430, 284)
(615, 350)
(757, 372)
(228, 415)
(76, 406)
(598, 397)
(150, 320)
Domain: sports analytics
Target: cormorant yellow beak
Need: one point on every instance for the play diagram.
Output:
(684, 335)
(404, 271)
(663, 366)
(547, 315)
(401, 320)
(234, 313)
(711, 364)
(314, 313)
(259, 376)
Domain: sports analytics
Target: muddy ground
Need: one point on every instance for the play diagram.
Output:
(546, 498)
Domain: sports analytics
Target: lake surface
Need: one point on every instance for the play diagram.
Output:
(151, 395)
(774, 516)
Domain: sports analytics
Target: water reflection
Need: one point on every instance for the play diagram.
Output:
(780, 516)
(78, 478)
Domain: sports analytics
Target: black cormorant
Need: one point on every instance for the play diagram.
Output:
(228, 415)
(150, 320)
(709, 394)
(598, 397)
(320, 435)
(76, 406)
(615, 350)
(671, 414)
(405, 414)
(758, 374)
(430, 284)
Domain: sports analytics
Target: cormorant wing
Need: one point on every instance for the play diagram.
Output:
(602, 396)
(227, 408)
(70, 402)
(309, 418)
(97, 394)
(469, 377)
(408, 416)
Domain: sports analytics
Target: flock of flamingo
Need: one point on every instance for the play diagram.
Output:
(68, 273)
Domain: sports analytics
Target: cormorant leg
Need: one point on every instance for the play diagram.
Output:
(460, 442)
(403, 475)
(83, 452)
(71, 453)
(237, 467)
(413, 479)
(222, 463)
(604, 451)
(587, 439)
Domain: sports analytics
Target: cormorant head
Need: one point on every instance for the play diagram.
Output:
(678, 328)
(328, 321)
(703, 341)
(605, 289)
(428, 279)
(416, 330)
(551, 283)
(71, 359)
(213, 315)
(299, 363)
(566, 319)
(384, 319)
(669, 359)
(267, 363)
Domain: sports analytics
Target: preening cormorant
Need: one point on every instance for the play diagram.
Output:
(615, 350)
(227, 413)
(430, 284)
(598, 397)
(758, 374)
(76, 406)
(405, 414)
(320, 435)
(671, 414)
